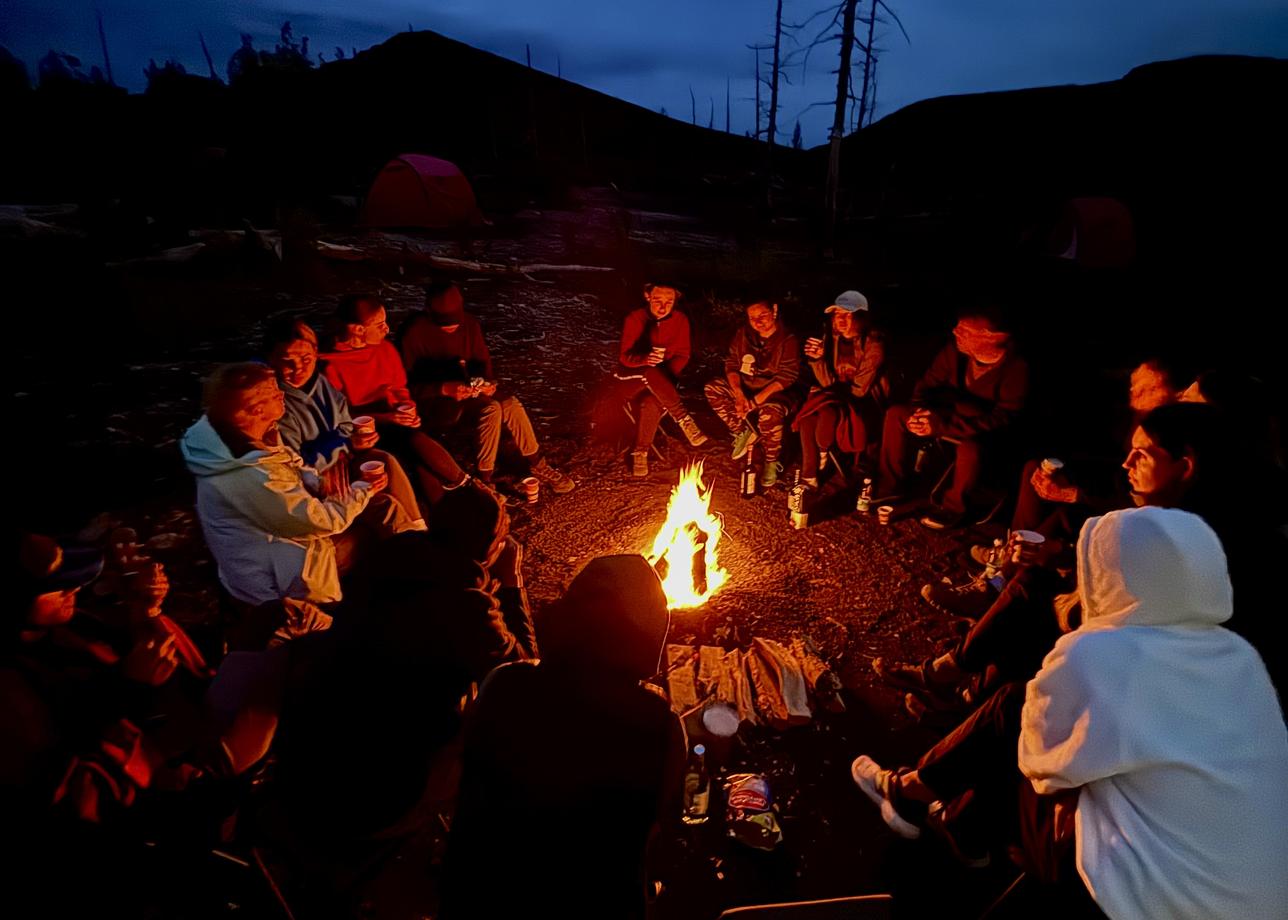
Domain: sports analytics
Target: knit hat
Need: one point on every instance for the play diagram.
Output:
(848, 302)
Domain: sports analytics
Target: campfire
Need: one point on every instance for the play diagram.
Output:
(684, 550)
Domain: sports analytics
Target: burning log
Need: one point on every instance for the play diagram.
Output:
(691, 532)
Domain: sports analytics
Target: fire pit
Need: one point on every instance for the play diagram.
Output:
(685, 548)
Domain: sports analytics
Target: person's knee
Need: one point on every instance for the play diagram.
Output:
(770, 417)
(715, 389)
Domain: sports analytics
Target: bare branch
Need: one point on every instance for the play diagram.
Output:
(885, 6)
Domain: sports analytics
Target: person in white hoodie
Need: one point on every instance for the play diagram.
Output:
(272, 532)
(1155, 727)
(1168, 725)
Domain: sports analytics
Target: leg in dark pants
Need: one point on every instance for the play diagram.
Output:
(1017, 631)
(818, 434)
(965, 474)
(895, 465)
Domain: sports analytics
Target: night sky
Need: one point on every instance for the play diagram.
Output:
(652, 52)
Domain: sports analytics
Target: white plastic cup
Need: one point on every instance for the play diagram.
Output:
(364, 423)
(1051, 466)
(884, 513)
(372, 470)
(531, 487)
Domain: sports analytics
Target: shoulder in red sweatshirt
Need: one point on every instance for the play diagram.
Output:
(363, 375)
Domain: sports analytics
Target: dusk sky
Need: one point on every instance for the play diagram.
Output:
(651, 53)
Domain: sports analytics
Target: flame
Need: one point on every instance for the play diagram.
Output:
(688, 520)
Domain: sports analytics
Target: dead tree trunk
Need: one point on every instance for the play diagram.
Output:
(756, 48)
(726, 104)
(868, 59)
(832, 192)
(693, 106)
(102, 39)
(774, 74)
(206, 51)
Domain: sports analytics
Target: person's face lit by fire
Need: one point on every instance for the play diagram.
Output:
(661, 301)
(844, 325)
(264, 402)
(763, 318)
(979, 341)
(1156, 477)
(376, 328)
(295, 362)
(1150, 388)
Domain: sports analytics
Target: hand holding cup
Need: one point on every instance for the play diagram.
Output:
(373, 472)
(405, 415)
(813, 348)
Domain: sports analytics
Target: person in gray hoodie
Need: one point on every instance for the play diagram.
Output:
(272, 531)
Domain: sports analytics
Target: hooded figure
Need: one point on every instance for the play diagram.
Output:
(570, 762)
(1168, 724)
(269, 534)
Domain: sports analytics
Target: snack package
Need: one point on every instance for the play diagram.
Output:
(749, 811)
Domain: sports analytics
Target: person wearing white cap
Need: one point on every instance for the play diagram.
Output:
(846, 363)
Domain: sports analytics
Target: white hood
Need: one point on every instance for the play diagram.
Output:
(1169, 725)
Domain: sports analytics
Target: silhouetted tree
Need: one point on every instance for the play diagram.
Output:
(57, 67)
(14, 78)
(244, 61)
(797, 143)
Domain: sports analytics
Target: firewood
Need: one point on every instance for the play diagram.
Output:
(679, 677)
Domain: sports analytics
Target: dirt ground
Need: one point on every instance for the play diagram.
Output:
(847, 582)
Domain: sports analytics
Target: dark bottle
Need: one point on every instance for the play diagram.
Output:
(749, 479)
(697, 788)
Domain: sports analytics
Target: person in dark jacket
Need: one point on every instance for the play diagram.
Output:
(760, 373)
(571, 739)
(970, 396)
(653, 353)
(450, 375)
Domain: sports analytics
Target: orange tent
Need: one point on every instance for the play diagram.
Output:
(414, 190)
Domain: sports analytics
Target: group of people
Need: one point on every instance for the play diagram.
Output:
(1115, 685)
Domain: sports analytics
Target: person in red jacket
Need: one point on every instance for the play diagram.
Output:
(653, 353)
(450, 372)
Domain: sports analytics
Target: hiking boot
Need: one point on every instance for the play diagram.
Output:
(639, 463)
(691, 431)
(971, 854)
(908, 676)
(743, 440)
(881, 787)
(970, 601)
(552, 477)
(769, 475)
(941, 519)
(982, 554)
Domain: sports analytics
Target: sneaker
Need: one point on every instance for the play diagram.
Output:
(639, 463)
(941, 519)
(877, 785)
(691, 431)
(972, 856)
(769, 475)
(970, 601)
(743, 440)
(553, 478)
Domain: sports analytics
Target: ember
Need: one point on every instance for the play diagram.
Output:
(684, 550)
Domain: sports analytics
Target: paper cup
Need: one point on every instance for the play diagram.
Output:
(1051, 466)
(532, 487)
(364, 423)
(1025, 544)
(408, 407)
(884, 513)
(372, 470)
(800, 520)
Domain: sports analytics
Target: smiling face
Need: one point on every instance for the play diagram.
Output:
(264, 402)
(295, 362)
(844, 324)
(763, 318)
(661, 300)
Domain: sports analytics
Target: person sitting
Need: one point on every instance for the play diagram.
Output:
(452, 380)
(760, 370)
(576, 727)
(971, 394)
(841, 408)
(272, 531)
(317, 424)
(92, 725)
(1133, 785)
(654, 351)
(365, 367)
(370, 722)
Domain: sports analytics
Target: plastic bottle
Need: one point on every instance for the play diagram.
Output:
(993, 571)
(796, 503)
(863, 504)
(697, 788)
